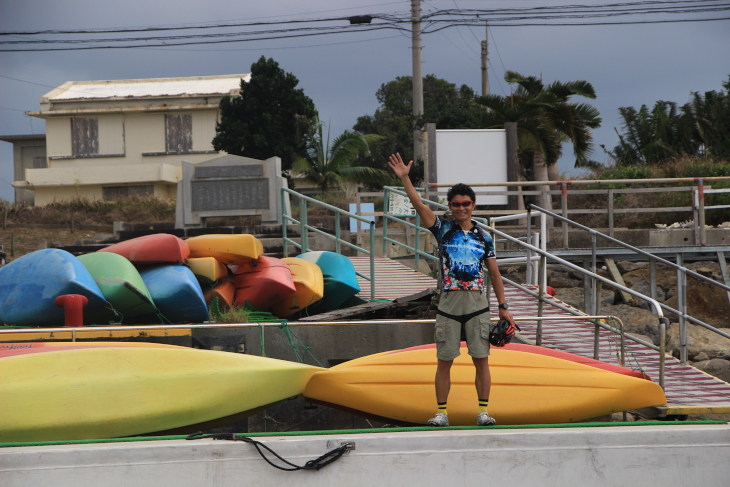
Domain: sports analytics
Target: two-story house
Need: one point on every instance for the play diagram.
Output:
(109, 139)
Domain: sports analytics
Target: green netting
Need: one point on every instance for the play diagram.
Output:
(375, 431)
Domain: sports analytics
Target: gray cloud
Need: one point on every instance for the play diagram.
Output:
(628, 65)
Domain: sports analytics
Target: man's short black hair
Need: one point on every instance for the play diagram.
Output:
(460, 189)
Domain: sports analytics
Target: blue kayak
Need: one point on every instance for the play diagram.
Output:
(30, 285)
(340, 280)
(176, 293)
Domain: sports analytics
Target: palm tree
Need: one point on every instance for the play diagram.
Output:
(545, 118)
(330, 166)
(571, 121)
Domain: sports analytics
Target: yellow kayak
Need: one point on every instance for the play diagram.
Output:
(109, 391)
(309, 283)
(207, 268)
(527, 388)
(227, 249)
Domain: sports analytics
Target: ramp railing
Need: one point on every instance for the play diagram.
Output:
(305, 228)
(682, 273)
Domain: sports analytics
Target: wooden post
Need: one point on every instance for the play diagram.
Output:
(12, 244)
(512, 162)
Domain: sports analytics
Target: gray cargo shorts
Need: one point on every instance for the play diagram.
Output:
(447, 334)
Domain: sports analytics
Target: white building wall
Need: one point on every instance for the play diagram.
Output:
(58, 138)
(111, 134)
(204, 129)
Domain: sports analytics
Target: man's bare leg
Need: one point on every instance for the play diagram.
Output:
(483, 380)
(443, 380)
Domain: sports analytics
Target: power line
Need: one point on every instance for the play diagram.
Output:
(434, 21)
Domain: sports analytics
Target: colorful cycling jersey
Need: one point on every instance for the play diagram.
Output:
(462, 255)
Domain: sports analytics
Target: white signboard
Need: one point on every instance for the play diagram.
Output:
(399, 205)
(473, 156)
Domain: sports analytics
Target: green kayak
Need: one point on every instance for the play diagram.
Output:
(120, 283)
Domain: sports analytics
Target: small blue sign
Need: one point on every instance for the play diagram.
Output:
(364, 208)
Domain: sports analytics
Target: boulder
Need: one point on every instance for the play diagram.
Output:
(699, 340)
(635, 320)
(704, 302)
(626, 266)
(644, 287)
(562, 280)
(718, 367)
(574, 296)
(702, 356)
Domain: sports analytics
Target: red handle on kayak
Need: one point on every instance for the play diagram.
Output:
(73, 306)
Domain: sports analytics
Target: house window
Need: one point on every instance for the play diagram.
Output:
(179, 133)
(40, 163)
(113, 193)
(84, 136)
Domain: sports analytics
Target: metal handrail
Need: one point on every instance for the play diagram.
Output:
(681, 288)
(304, 229)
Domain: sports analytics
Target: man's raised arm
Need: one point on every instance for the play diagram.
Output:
(401, 170)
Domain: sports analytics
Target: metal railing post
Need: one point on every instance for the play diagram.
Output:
(284, 222)
(417, 241)
(682, 308)
(528, 239)
(564, 199)
(338, 244)
(304, 232)
(662, 349)
(386, 196)
(540, 297)
(372, 260)
(701, 192)
(594, 299)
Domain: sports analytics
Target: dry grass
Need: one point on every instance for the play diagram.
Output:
(88, 212)
(685, 167)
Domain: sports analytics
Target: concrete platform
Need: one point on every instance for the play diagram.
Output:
(659, 454)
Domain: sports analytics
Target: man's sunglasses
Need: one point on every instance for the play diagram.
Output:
(465, 204)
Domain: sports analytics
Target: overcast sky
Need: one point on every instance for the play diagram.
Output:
(628, 65)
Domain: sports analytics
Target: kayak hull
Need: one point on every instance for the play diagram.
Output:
(227, 249)
(527, 388)
(176, 293)
(263, 282)
(120, 283)
(151, 249)
(309, 284)
(30, 285)
(340, 279)
(109, 392)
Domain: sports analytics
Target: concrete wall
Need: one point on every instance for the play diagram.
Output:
(668, 455)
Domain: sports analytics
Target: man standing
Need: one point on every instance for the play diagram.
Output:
(464, 251)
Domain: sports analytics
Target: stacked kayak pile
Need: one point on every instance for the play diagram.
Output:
(72, 390)
(162, 278)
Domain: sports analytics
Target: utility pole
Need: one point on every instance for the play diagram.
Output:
(485, 68)
(417, 76)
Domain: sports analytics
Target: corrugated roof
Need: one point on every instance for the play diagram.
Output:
(138, 88)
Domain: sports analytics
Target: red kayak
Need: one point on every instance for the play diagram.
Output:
(152, 249)
(519, 347)
(263, 283)
(224, 291)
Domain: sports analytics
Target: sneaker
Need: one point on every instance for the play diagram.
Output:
(484, 419)
(439, 420)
